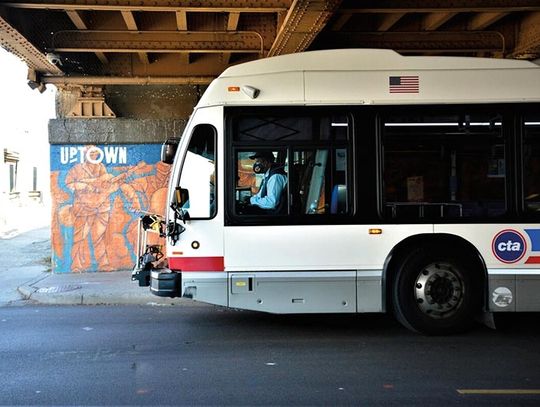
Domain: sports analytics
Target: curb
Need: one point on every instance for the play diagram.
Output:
(103, 298)
(26, 291)
(49, 289)
(32, 294)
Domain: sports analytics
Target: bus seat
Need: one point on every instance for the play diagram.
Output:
(338, 202)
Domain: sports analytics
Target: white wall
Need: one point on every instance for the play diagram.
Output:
(23, 129)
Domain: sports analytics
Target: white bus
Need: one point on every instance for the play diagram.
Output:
(412, 186)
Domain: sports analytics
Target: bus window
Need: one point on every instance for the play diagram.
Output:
(310, 155)
(261, 182)
(321, 181)
(531, 164)
(199, 173)
(273, 129)
(444, 166)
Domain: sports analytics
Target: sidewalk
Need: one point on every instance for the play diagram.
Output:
(20, 218)
(111, 288)
(26, 272)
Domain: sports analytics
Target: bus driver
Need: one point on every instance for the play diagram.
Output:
(270, 194)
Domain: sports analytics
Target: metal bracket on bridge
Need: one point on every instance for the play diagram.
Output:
(91, 104)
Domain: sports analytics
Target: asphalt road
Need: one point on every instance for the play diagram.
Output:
(210, 356)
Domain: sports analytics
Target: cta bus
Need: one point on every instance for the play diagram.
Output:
(401, 184)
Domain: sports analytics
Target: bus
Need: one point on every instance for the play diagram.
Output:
(408, 185)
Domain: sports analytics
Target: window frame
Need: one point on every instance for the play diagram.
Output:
(365, 162)
(216, 168)
(509, 138)
(232, 147)
(234, 159)
(520, 131)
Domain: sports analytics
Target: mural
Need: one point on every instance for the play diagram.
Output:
(98, 195)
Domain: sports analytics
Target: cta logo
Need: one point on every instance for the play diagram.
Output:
(509, 246)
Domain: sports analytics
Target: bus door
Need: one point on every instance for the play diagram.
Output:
(196, 246)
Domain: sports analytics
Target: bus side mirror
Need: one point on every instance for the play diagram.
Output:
(168, 150)
(180, 204)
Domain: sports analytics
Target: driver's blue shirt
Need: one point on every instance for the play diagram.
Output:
(268, 198)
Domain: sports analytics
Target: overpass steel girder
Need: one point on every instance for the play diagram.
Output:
(126, 80)
(528, 38)
(441, 6)
(158, 41)
(422, 41)
(303, 22)
(131, 25)
(13, 41)
(192, 6)
(78, 21)
(483, 20)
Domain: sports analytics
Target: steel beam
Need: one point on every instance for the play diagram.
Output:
(181, 21)
(14, 42)
(304, 21)
(232, 21)
(423, 41)
(232, 25)
(210, 6)
(341, 21)
(157, 41)
(481, 21)
(127, 80)
(389, 20)
(528, 39)
(131, 25)
(438, 6)
(182, 25)
(79, 23)
(433, 21)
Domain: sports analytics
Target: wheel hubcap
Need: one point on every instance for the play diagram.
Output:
(439, 290)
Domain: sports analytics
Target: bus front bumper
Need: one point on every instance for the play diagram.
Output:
(165, 283)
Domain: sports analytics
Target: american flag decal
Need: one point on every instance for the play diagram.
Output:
(404, 84)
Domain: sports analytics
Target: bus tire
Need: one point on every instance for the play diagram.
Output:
(435, 293)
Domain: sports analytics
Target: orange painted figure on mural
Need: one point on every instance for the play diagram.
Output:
(91, 213)
(97, 206)
(153, 188)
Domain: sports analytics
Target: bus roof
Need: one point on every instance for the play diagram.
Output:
(364, 60)
(373, 76)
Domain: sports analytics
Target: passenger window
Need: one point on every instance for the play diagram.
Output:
(444, 166)
(321, 181)
(531, 164)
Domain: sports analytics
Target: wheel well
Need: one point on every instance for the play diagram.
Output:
(450, 242)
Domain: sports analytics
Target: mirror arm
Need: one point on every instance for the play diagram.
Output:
(174, 228)
(180, 213)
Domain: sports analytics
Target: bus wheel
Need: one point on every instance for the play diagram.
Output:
(434, 293)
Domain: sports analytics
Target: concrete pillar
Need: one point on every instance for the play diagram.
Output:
(106, 172)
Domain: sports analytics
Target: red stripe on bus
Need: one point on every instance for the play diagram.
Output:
(533, 260)
(197, 263)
